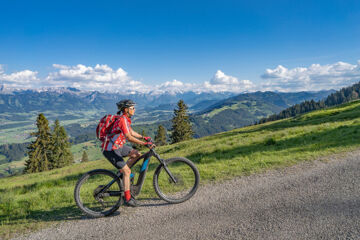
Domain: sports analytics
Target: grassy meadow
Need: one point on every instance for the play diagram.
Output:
(33, 201)
(251, 106)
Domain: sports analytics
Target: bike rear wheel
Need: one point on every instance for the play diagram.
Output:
(186, 176)
(91, 200)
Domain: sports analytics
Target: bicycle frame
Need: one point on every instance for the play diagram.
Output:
(136, 189)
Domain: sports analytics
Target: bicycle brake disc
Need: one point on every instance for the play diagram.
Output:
(97, 190)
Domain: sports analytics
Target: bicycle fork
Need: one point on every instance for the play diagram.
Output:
(163, 163)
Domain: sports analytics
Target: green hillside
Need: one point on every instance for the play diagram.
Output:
(232, 115)
(32, 201)
(246, 109)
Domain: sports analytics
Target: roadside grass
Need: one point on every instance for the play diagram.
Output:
(32, 201)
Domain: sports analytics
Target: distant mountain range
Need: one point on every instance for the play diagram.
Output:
(70, 99)
(238, 110)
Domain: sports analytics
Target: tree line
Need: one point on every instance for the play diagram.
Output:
(342, 96)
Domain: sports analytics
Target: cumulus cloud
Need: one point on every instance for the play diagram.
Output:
(221, 78)
(315, 77)
(100, 77)
(221, 82)
(173, 87)
(104, 78)
(22, 79)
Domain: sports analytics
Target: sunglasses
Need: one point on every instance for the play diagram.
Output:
(132, 108)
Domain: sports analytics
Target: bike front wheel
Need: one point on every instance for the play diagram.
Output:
(98, 193)
(177, 180)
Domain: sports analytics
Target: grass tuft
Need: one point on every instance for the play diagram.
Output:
(270, 141)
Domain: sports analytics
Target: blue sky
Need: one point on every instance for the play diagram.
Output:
(187, 44)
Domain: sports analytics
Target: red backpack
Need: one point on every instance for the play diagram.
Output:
(105, 125)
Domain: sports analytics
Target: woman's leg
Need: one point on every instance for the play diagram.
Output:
(133, 156)
(126, 177)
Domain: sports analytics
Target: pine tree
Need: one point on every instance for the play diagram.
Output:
(84, 157)
(67, 156)
(61, 154)
(354, 95)
(39, 151)
(55, 146)
(181, 127)
(160, 138)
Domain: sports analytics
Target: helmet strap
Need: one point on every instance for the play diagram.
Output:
(127, 112)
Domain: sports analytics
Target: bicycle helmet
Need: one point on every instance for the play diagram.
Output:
(125, 104)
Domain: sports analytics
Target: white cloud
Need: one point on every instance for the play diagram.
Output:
(316, 77)
(174, 83)
(104, 78)
(222, 83)
(22, 79)
(173, 87)
(221, 78)
(100, 77)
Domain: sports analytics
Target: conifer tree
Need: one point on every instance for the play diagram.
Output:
(84, 157)
(55, 146)
(181, 127)
(67, 155)
(61, 154)
(39, 150)
(160, 138)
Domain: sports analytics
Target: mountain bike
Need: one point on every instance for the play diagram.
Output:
(100, 192)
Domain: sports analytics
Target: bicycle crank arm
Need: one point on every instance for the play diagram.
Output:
(111, 194)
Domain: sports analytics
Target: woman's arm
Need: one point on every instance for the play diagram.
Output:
(133, 139)
(135, 134)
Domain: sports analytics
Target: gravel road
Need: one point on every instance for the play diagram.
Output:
(312, 200)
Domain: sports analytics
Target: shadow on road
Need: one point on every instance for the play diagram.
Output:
(74, 213)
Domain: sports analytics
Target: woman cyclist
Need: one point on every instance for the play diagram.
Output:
(115, 150)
